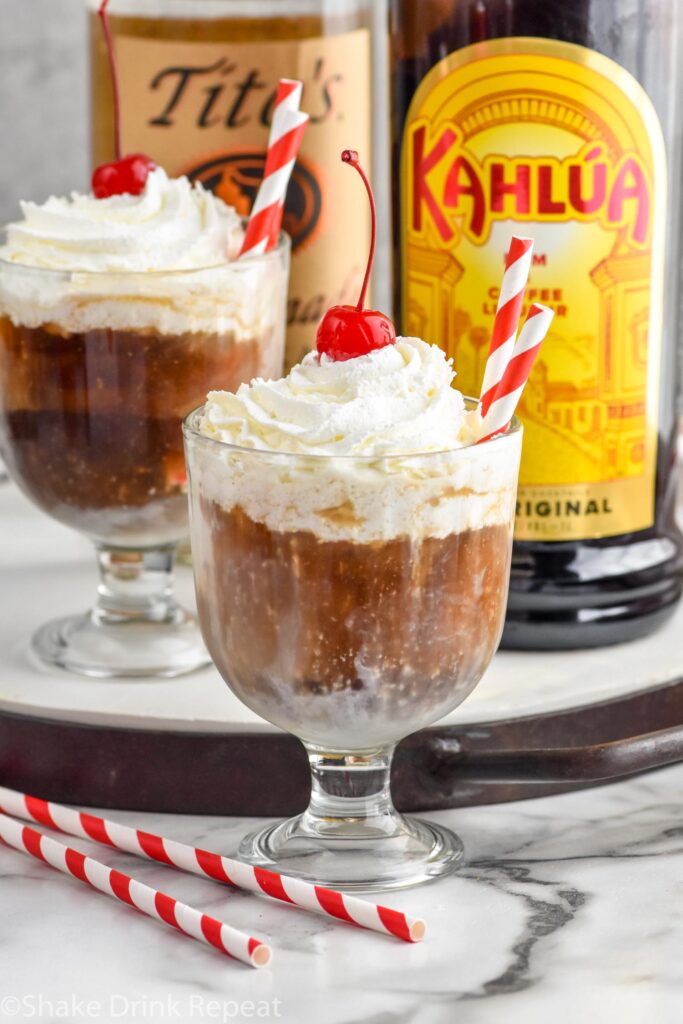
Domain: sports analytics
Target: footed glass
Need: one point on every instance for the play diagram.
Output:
(97, 371)
(352, 601)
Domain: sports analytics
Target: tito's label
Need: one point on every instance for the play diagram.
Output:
(204, 109)
(547, 139)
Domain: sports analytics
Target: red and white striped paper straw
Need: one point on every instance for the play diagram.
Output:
(288, 98)
(212, 865)
(515, 277)
(509, 390)
(122, 887)
(287, 129)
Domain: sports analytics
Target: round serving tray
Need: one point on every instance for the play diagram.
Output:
(537, 723)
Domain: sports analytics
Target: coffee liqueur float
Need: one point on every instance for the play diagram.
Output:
(365, 474)
(558, 119)
(108, 336)
(118, 309)
(353, 588)
(351, 537)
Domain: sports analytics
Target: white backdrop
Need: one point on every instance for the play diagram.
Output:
(43, 100)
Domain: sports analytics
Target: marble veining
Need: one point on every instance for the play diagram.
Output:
(570, 908)
(549, 907)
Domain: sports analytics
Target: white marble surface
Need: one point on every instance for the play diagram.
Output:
(570, 909)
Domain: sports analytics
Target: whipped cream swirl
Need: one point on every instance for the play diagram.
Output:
(171, 225)
(397, 446)
(395, 400)
(162, 261)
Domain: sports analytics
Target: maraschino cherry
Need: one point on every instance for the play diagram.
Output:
(348, 331)
(126, 174)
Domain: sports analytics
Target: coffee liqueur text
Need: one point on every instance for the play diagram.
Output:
(449, 181)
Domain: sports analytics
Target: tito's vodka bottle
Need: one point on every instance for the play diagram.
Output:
(198, 79)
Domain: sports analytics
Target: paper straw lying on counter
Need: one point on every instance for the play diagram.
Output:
(212, 865)
(142, 897)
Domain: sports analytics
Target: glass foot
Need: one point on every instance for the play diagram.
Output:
(356, 856)
(124, 649)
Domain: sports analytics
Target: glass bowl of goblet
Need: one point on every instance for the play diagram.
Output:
(352, 601)
(97, 371)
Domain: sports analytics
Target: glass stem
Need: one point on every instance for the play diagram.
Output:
(135, 586)
(349, 788)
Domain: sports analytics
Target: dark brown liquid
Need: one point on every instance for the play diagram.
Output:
(588, 592)
(92, 421)
(348, 642)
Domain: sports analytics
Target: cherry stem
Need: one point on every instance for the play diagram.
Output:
(114, 77)
(349, 156)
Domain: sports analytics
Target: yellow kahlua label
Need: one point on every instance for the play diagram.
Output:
(551, 140)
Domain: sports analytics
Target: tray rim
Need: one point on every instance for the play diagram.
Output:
(266, 773)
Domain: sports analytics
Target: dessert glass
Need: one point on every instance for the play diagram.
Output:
(350, 601)
(97, 371)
